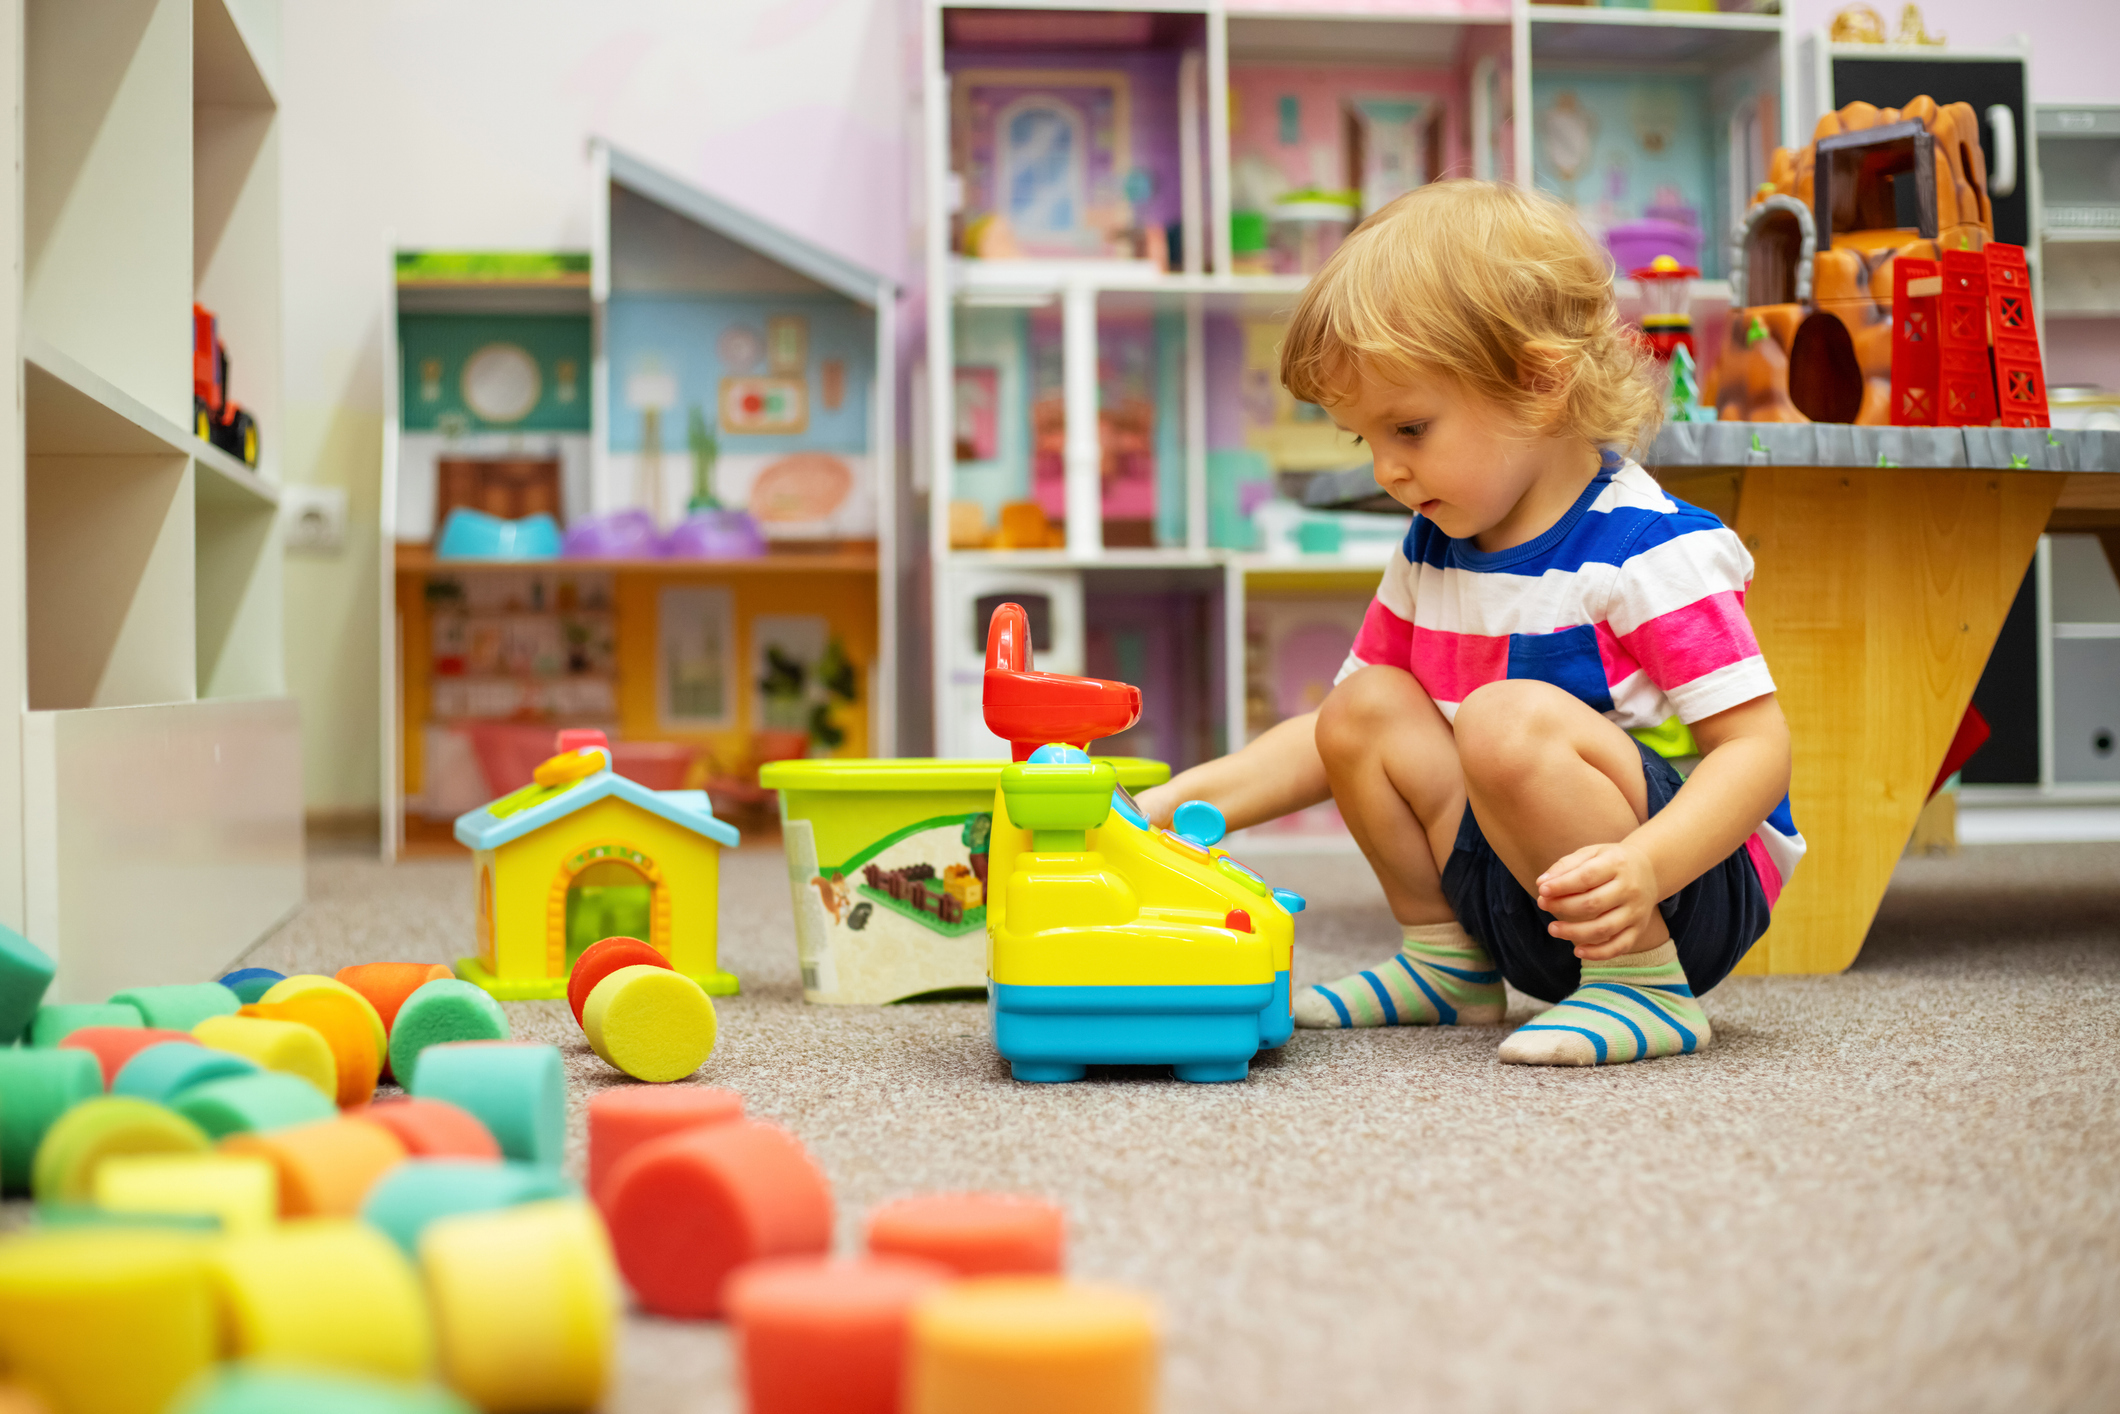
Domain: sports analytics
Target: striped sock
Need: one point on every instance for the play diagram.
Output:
(1627, 1009)
(1438, 977)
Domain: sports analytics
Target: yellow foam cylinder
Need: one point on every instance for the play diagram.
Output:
(1031, 1345)
(329, 1292)
(244, 1193)
(650, 1022)
(276, 1045)
(14, 1399)
(105, 1321)
(340, 1021)
(526, 1305)
(290, 987)
(80, 1140)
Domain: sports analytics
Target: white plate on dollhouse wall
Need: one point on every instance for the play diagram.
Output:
(501, 383)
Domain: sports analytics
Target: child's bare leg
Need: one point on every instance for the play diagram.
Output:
(1546, 775)
(1393, 766)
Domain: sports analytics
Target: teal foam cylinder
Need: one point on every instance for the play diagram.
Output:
(518, 1090)
(24, 974)
(181, 1006)
(250, 984)
(418, 1191)
(247, 1389)
(161, 1073)
(57, 1022)
(36, 1087)
(252, 1104)
(438, 1012)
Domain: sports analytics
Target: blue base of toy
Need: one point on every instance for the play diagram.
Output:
(1049, 1035)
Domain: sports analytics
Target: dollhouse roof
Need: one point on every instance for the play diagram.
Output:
(754, 233)
(531, 809)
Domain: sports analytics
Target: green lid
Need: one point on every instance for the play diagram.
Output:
(926, 774)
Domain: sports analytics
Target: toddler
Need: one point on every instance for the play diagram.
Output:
(1549, 599)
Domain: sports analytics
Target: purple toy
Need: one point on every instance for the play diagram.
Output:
(716, 535)
(619, 535)
(1638, 243)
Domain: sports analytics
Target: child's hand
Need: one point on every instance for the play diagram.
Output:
(1604, 897)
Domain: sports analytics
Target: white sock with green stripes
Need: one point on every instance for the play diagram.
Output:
(1627, 1009)
(1438, 977)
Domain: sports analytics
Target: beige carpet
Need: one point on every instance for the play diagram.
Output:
(1895, 1189)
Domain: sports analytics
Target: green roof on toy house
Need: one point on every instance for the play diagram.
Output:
(530, 809)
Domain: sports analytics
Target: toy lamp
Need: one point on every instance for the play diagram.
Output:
(1667, 293)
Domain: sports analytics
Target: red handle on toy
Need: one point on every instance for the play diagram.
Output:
(1030, 709)
(1008, 640)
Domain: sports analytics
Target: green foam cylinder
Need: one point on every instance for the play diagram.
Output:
(24, 974)
(94, 1130)
(36, 1087)
(181, 1006)
(161, 1073)
(441, 1011)
(418, 1191)
(57, 1022)
(245, 1389)
(253, 1104)
(518, 1090)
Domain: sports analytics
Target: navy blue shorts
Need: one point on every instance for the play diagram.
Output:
(1714, 920)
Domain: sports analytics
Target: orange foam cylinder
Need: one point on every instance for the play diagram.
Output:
(691, 1207)
(347, 1026)
(433, 1129)
(113, 1046)
(387, 984)
(973, 1234)
(327, 1168)
(1031, 1345)
(624, 1117)
(826, 1335)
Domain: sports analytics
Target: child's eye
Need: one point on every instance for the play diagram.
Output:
(1413, 430)
(1357, 438)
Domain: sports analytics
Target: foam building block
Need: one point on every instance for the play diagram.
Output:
(286, 1046)
(1031, 1345)
(518, 1090)
(179, 1007)
(526, 1306)
(161, 1072)
(264, 1389)
(250, 984)
(691, 1207)
(440, 1012)
(790, 1311)
(343, 1022)
(973, 1234)
(241, 1194)
(113, 1046)
(330, 1292)
(419, 1191)
(626, 1116)
(600, 960)
(652, 1023)
(103, 1320)
(387, 984)
(248, 1104)
(434, 1129)
(55, 1023)
(25, 971)
(36, 1087)
(301, 984)
(326, 1169)
(64, 1170)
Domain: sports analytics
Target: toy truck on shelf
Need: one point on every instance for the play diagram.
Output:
(216, 418)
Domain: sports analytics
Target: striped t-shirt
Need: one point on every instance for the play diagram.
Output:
(1633, 602)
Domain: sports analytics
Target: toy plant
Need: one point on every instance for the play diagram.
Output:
(1112, 942)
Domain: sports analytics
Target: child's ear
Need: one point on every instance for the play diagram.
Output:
(1542, 372)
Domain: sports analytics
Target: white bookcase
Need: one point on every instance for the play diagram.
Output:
(152, 825)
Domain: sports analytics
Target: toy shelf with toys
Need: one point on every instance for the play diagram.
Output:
(636, 489)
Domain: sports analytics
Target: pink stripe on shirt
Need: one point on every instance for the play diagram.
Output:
(1709, 633)
(1763, 865)
(1385, 637)
(1452, 666)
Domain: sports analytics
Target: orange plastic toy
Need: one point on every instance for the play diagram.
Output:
(790, 1312)
(625, 1117)
(973, 1234)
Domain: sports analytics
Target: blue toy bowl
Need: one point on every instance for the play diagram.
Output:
(474, 535)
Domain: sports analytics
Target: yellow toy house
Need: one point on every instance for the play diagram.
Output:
(583, 853)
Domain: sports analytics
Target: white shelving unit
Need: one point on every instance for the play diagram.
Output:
(153, 829)
(1492, 51)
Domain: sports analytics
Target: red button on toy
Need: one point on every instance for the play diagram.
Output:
(1238, 921)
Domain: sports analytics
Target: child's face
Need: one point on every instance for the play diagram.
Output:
(1450, 453)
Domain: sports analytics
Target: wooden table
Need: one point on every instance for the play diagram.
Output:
(1885, 561)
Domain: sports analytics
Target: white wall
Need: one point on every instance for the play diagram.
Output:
(2075, 43)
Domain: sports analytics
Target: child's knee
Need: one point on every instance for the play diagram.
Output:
(1507, 730)
(1359, 713)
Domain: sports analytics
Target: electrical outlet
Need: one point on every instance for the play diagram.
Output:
(313, 519)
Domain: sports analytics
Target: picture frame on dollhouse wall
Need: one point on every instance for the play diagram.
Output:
(695, 658)
(1044, 153)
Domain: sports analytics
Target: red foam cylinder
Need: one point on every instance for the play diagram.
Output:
(433, 1129)
(689, 1208)
(600, 960)
(113, 1046)
(823, 1335)
(624, 1117)
(973, 1234)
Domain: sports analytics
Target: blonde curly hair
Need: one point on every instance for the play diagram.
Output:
(1495, 286)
